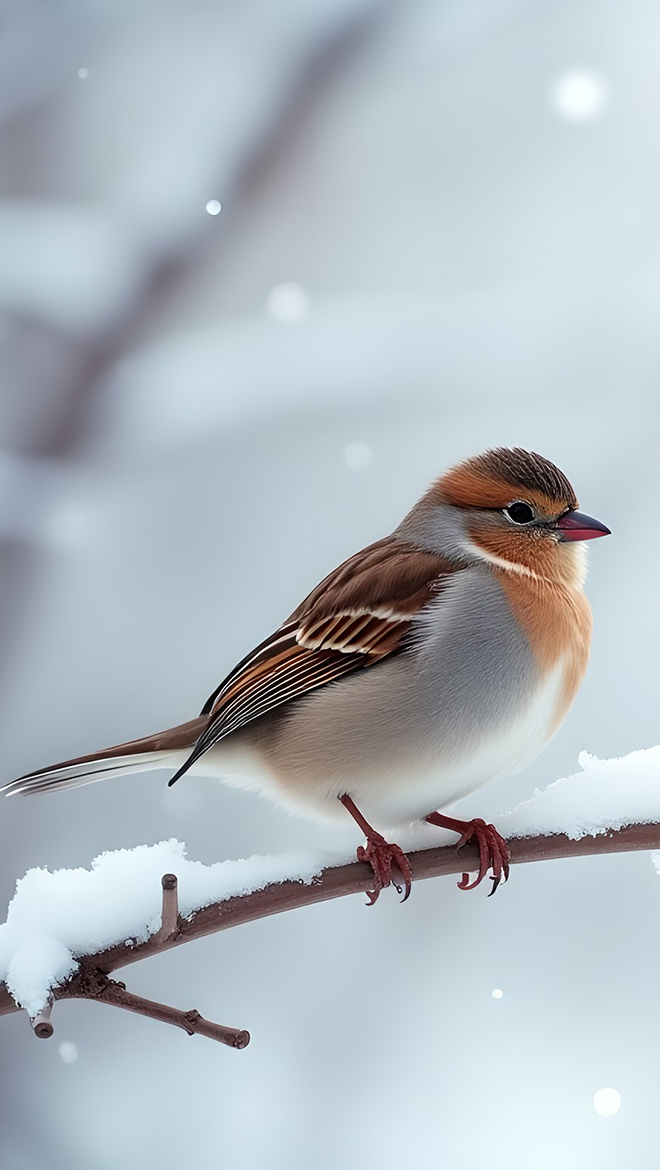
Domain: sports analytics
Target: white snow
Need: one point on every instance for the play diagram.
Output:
(606, 794)
(38, 963)
(55, 917)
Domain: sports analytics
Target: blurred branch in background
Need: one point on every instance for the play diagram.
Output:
(91, 981)
(85, 276)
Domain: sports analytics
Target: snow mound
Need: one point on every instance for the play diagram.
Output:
(606, 794)
(55, 917)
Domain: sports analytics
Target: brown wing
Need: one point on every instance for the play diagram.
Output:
(359, 614)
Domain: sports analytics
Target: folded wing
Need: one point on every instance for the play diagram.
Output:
(358, 615)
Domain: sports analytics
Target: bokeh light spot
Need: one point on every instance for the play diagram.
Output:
(607, 1102)
(580, 96)
(214, 207)
(497, 993)
(288, 303)
(358, 455)
(68, 524)
(68, 1052)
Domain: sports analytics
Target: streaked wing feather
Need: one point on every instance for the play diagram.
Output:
(268, 684)
(264, 649)
(358, 615)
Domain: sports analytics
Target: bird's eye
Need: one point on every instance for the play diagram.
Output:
(520, 513)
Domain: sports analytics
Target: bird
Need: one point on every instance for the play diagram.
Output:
(433, 661)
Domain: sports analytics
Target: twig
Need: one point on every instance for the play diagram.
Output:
(41, 1025)
(96, 985)
(169, 920)
(289, 895)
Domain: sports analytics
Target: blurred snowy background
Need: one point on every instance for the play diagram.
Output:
(265, 270)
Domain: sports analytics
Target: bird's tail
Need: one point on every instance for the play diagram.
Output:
(139, 755)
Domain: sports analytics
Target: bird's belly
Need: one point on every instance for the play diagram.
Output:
(400, 795)
(398, 761)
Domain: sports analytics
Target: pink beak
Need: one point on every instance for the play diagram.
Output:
(578, 526)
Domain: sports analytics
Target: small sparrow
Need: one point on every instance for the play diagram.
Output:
(435, 660)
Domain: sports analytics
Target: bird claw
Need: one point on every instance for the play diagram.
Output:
(494, 854)
(381, 856)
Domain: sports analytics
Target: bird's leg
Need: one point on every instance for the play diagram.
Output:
(380, 855)
(493, 850)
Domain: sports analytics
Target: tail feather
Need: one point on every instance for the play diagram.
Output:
(138, 755)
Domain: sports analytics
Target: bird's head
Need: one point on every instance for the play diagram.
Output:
(511, 508)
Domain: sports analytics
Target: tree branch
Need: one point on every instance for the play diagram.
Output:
(91, 980)
(94, 984)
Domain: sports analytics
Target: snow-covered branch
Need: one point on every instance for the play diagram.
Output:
(67, 931)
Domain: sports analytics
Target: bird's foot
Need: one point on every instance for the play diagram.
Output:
(381, 856)
(494, 852)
